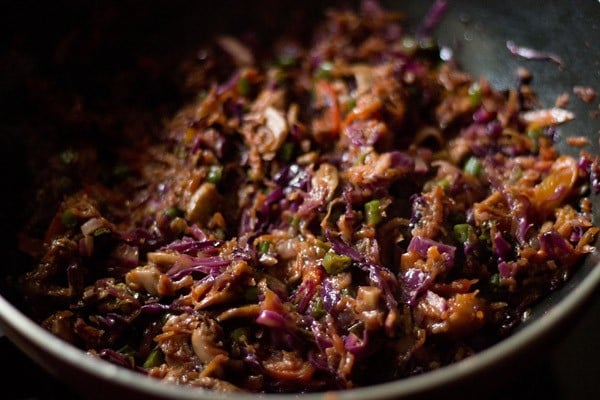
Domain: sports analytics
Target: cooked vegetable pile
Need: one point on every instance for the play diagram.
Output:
(335, 214)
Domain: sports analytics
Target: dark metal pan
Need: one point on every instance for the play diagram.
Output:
(477, 32)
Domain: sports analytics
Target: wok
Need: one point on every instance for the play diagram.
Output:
(476, 32)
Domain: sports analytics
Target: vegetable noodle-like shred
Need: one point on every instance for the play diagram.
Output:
(323, 214)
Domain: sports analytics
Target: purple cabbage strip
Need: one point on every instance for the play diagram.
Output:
(432, 19)
(483, 116)
(115, 324)
(319, 361)
(198, 233)
(421, 245)
(532, 54)
(251, 359)
(272, 319)
(230, 84)
(402, 160)
(389, 286)
(304, 294)
(357, 135)
(189, 246)
(576, 234)
(290, 178)
(415, 282)
(293, 177)
(503, 249)
(330, 295)
(506, 269)
(519, 204)
(592, 169)
(321, 339)
(154, 308)
(186, 265)
(418, 204)
(521, 207)
(119, 359)
(555, 245)
(358, 346)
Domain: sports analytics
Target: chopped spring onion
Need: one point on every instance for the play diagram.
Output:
(240, 335)
(251, 293)
(263, 246)
(215, 173)
(154, 359)
(173, 212)
(68, 156)
(475, 94)
(68, 219)
(335, 263)
(473, 166)
(286, 151)
(287, 60)
(462, 232)
(243, 86)
(373, 212)
(318, 310)
(325, 70)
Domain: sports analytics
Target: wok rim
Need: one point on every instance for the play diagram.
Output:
(546, 324)
(21, 330)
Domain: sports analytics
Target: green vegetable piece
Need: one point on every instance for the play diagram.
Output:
(120, 171)
(68, 156)
(295, 221)
(350, 104)
(515, 174)
(219, 234)
(286, 151)
(68, 219)
(335, 263)
(360, 159)
(287, 60)
(462, 232)
(165, 318)
(535, 135)
(240, 335)
(127, 351)
(409, 44)
(373, 212)
(495, 279)
(263, 246)
(154, 359)
(323, 246)
(443, 183)
(475, 94)
(325, 70)
(101, 231)
(173, 212)
(251, 294)
(318, 309)
(243, 86)
(215, 173)
(473, 166)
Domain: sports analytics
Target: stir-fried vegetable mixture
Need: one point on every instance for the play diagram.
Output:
(333, 215)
